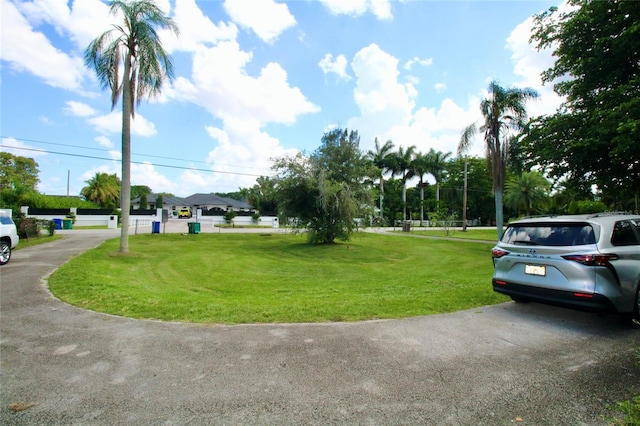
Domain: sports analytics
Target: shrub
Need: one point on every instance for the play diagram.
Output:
(228, 216)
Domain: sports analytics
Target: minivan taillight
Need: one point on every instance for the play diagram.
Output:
(497, 253)
(592, 259)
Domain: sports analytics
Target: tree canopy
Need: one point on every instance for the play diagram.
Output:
(593, 137)
(325, 191)
(102, 189)
(18, 172)
(504, 111)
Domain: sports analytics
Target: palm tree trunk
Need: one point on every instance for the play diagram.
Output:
(381, 193)
(404, 200)
(421, 203)
(499, 212)
(125, 193)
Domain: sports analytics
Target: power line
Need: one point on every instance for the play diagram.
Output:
(168, 166)
(106, 150)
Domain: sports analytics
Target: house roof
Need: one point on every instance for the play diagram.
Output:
(174, 201)
(215, 200)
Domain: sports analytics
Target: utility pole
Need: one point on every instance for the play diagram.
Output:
(68, 178)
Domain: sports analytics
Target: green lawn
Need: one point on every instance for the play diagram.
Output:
(469, 234)
(251, 278)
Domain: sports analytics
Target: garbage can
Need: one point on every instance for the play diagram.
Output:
(67, 223)
(58, 223)
(194, 227)
(406, 226)
(155, 227)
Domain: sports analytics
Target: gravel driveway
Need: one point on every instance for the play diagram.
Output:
(498, 365)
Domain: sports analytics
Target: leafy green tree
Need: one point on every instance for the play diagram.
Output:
(479, 191)
(159, 201)
(16, 171)
(528, 192)
(325, 190)
(130, 60)
(593, 137)
(263, 195)
(503, 111)
(381, 159)
(144, 203)
(137, 191)
(102, 189)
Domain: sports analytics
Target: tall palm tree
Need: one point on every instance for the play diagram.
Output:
(380, 158)
(438, 164)
(503, 111)
(136, 46)
(400, 162)
(102, 189)
(528, 191)
(422, 166)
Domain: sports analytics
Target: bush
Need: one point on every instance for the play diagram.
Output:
(72, 216)
(228, 216)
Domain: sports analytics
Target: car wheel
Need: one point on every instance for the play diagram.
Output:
(5, 252)
(519, 299)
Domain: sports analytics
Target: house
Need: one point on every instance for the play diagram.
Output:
(217, 203)
(173, 204)
(206, 202)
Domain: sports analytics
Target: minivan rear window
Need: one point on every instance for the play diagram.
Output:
(547, 234)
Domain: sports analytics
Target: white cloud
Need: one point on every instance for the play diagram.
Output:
(266, 18)
(529, 63)
(387, 108)
(440, 87)
(25, 49)
(104, 141)
(416, 60)
(19, 148)
(196, 29)
(146, 174)
(383, 101)
(337, 65)
(242, 153)
(112, 123)
(79, 109)
(380, 8)
(222, 86)
(83, 21)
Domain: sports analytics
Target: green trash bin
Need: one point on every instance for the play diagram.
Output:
(67, 223)
(194, 227)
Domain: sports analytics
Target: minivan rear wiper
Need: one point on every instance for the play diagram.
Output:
(526, 243)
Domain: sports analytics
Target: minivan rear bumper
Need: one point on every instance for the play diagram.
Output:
(569, 299)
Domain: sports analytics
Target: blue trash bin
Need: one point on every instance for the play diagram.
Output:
(58, 223)
(155, 228)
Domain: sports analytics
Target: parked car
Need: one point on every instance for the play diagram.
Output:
(186, 213)
(588, 262)
(8, 238)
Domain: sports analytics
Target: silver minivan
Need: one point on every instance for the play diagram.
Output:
(589, 262)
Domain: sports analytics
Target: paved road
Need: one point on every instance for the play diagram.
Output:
(524, 364)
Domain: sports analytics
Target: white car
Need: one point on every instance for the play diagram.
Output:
(8, 238)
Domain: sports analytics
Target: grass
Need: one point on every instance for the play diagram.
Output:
(469, 234)
(34, 241)
(249, 278)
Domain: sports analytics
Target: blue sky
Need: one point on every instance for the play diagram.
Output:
(257, 79)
